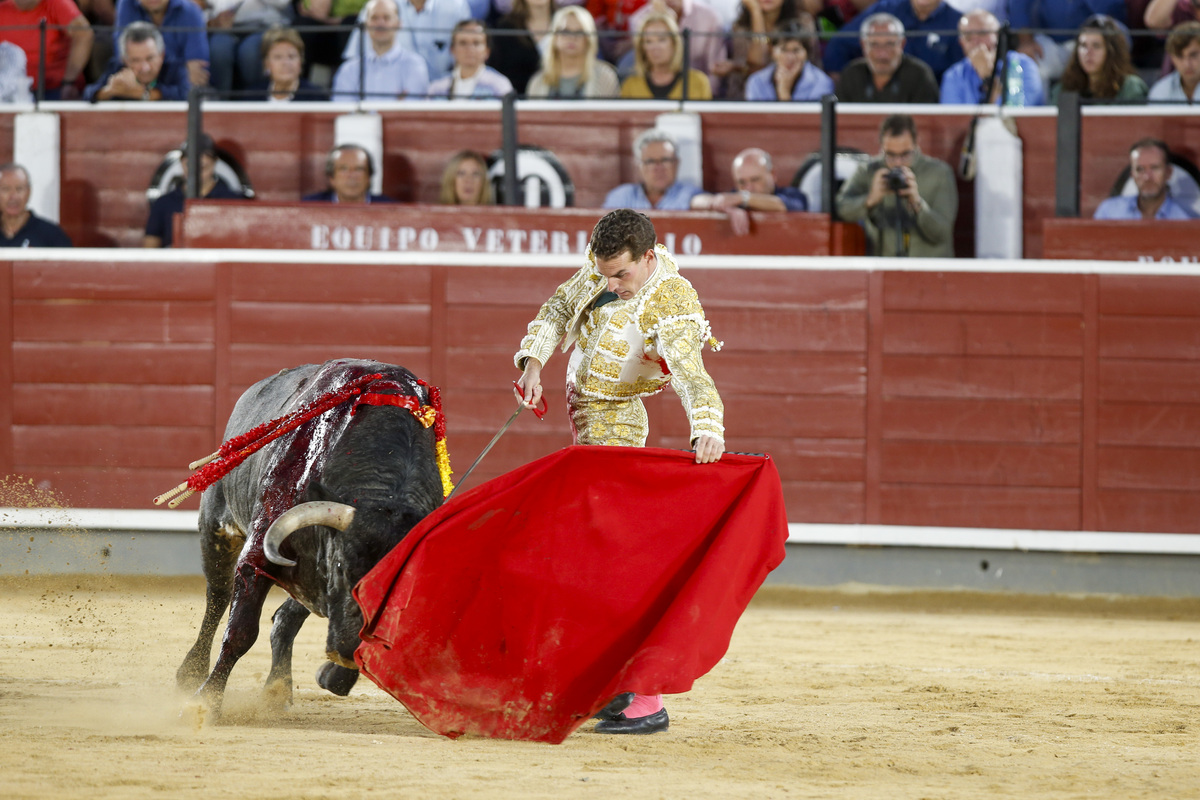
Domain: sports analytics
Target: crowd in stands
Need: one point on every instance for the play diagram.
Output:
(921, 51)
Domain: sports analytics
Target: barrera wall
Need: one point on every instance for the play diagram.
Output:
(1046, 396)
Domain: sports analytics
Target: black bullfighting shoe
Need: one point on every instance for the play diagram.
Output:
(652, 723)
(615, 707)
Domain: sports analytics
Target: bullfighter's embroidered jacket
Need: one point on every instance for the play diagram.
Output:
(631, 348)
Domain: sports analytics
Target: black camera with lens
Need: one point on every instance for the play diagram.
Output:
(896, 181)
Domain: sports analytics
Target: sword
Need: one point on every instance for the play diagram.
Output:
(538, 412)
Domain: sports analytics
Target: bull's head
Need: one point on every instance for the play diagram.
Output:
(349, 542)
(324, 512)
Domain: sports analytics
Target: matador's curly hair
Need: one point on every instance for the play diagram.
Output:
(620, 231)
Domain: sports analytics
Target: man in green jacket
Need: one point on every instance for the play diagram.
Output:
(906, 201)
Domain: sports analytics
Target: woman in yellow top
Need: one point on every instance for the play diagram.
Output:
(659, 72)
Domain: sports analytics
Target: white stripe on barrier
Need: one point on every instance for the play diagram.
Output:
(996, 539)
(98, 519)
(698, 262)
(116, 519)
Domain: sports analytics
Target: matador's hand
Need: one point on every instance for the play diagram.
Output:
(529, 386)
(708, 449)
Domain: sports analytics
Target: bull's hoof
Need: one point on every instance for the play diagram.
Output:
(277, 694)
(189, 676)
(336, 679)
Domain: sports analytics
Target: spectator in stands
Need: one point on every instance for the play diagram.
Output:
(928, 24)
(242, 48)
(391, 70)
(978, 33)
(748, 49)
(1163, 14)
(144, 72)
(471, 77)
(886, 74)
(706, 46)
(183, 31)
(1183, 48)
(571, 69)
(1100, 68)
(14, 78)
(792, 76)
(906, 201)
(160, 225)
(283, 62)
(834, 14)
(656, 154)
(349, 169)
(68, 42)
(1053, 52)
(20, 227)
(425, 27)
(465, 180)
(102, 16)
(753, 175)
(327, 48)
(997, 8)
(516, 42)
(660, 72)
(1150, 168)
(612, 20)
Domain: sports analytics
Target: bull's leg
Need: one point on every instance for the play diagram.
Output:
(219, 549)
(250, 590)
(285, 624)
(335, 678)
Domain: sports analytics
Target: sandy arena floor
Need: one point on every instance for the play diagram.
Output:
(836, 694)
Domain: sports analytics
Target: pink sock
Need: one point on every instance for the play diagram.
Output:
(644, 705)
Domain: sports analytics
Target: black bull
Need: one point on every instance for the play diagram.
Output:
(373, 474)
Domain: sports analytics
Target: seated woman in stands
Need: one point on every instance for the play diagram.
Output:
(283, 63)
(1101, 69)
(465, 180)
(570, 68)
(659, 72)
(749, 45)
(792, 76)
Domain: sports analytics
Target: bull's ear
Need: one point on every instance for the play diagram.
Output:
(317, 492)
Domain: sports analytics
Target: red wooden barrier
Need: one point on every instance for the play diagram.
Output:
(1122, 240)
(485, 230)
(942, 398)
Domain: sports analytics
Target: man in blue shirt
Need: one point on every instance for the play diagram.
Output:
(349, 168)
(658, 163)
(978, 33)
(20, 227)
(184, 31)
(425, 28)
(1053, 52)
(1150, 168)
(927, 24)
(391, 70)
(753, 175)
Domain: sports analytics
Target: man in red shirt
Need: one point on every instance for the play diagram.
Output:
(68, 41)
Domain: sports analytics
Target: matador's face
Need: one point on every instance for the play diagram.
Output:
(627, 275)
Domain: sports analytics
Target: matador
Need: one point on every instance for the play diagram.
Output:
(636, 325)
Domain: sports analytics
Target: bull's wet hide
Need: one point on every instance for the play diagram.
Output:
(524, 606)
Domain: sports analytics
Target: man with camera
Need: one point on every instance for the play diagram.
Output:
(906, 201)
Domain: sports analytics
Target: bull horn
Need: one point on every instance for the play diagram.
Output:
(333, 515)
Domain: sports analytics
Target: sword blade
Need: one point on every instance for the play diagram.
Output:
(486, 450)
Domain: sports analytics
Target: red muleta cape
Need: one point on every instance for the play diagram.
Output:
(520, 608)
